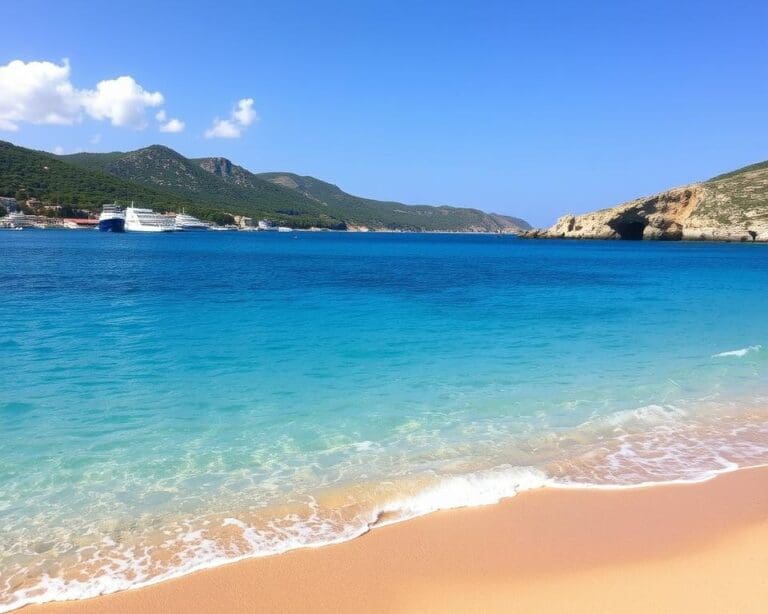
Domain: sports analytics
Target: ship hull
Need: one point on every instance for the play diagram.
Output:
(148, 228)
(114, 224)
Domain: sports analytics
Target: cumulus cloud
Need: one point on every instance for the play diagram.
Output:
(42, 93)
(173, 125)
(122, 101)
(223, 129)
(242, 116)
(37, 93)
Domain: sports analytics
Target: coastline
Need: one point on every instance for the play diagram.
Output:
(696, 547)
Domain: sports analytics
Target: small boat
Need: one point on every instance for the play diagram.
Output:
(112, 219)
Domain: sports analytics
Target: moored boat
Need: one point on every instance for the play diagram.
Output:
(18, 220)
(186, 222)
(138, 219)
(112, 219)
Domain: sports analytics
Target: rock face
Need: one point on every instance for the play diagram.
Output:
(731, 207)
(221, 167)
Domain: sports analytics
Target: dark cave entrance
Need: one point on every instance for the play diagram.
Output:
(631, 230)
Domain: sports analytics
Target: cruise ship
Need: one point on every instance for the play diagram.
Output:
(18, 220)
(112, 219)
(188, 222)
(146, 220)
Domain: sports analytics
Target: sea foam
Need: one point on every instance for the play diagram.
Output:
(470, 490)
(739, 353)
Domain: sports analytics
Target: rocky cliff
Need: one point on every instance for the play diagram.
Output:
(730, 207)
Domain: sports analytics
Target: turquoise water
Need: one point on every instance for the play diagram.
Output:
(174, 402)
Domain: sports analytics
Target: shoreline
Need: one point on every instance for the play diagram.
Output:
(507, 555)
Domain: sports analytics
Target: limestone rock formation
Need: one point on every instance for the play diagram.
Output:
(731, 207)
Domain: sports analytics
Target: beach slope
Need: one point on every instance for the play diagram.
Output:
(672, 548)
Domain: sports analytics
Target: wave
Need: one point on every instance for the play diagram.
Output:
(739, 353)
(470, 490)
(652, 444)
(201, 549)
(647, 415)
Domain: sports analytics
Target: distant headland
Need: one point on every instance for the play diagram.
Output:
(729, 207)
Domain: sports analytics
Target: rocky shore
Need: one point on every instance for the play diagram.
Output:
(730, 207)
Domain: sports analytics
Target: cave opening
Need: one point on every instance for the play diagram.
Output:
(630, 230)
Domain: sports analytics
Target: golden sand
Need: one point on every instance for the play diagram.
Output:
(675, 548)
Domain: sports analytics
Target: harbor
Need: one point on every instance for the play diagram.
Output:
(113, 217)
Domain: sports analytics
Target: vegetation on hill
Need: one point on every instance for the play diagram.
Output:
(394, 215)
(216, 189)
(357, 211)
(759, 166)
(161, 168)
(740, 196)
(27, 174)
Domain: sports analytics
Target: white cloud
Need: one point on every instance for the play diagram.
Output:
(242, 116)
(42, 93)
(173, 125)
(223, 129)
(122, 101)
(37, 93)
(58, 150)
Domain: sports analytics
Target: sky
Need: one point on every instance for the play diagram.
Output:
(533, 109)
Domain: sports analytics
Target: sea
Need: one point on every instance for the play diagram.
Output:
(175, 402)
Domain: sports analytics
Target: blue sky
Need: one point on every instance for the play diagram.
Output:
(528, 108)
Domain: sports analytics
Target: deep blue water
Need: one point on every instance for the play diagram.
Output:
(291, 387)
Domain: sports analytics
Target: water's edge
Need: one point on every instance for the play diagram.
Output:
(379, 523)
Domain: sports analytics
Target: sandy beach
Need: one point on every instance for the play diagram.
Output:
(672, 548)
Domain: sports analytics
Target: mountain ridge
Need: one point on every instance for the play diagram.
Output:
(363, 211)
(306, 202)
(28, 173)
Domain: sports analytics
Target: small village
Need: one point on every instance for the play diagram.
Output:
(34, 214)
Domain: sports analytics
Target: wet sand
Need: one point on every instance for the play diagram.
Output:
(673, 548)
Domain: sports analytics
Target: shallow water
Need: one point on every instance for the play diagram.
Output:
(173, 402)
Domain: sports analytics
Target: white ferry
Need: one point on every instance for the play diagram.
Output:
(188, 222)
(18, 220)
(138, 219)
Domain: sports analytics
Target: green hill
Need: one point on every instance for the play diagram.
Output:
(394, 215)
(215, 188)
(357, 211)
(282, 197)
(25, 173)
(160, 168)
